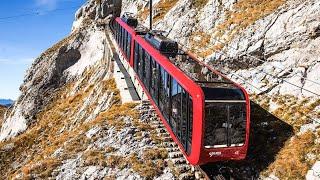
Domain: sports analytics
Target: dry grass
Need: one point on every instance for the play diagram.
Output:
(199, 4)
(243, 14)
(291, 162)
(151, 165)
(53, 128)
(290, 109)
(162, 8)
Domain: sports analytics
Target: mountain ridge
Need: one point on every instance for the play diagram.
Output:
(6, 102)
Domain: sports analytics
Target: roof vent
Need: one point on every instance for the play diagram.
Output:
(165, 45)
(129, 19)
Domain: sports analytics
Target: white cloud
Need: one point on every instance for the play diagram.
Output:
(51, 4)
(21, 61)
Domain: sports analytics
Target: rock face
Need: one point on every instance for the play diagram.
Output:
(64, 62)
(281, 46)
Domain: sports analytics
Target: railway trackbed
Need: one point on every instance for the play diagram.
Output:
(175, 160)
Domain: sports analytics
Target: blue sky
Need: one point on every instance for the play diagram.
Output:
(23, 38)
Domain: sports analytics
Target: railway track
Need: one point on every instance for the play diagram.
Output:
(176, 161)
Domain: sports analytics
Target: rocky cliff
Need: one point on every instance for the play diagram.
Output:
(70, 123)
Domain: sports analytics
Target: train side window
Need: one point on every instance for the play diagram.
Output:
(117, 32)
(175, 114)
(125, 42)
(147, 71)
(121, 36)
(136, 57)
(129, 46)
(185, 118)
(190, 124)
(154, 80)
(163, 99)
(141, 62)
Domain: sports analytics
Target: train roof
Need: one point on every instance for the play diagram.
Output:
(195, 70)
(201, 74)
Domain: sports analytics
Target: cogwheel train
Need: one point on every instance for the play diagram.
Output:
(206, 114)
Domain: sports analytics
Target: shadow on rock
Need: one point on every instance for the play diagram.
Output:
(268, 135)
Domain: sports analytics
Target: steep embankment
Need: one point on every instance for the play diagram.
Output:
(271, 48)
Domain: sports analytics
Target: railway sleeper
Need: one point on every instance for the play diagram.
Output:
(199, 175)
(179, 161)
(169, 144)
(175, 154)
(183, 168)
(161, 130)
(186, 176)
(172, 149)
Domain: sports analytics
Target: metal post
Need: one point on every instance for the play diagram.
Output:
(150, 8)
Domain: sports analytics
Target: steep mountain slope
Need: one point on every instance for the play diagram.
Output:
(69, 121)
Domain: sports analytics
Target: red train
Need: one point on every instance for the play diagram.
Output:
(206, 114)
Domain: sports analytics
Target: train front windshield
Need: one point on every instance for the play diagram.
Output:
(225, 119)
(225, 124)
